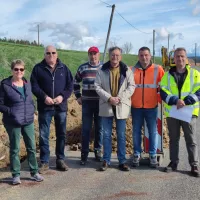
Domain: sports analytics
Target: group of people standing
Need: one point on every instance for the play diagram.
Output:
(109, 91)
(123, 90)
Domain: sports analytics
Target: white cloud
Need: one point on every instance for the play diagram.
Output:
(196, 10)
(62, 45)
(162, 35)
(194, 1)
(77, 36)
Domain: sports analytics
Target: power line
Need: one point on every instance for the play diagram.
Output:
(131, 24)
(125, 19)
(105, 3)
(190, 46)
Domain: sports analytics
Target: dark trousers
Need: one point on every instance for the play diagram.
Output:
(45, 118)
(90, 113)
(190, 132)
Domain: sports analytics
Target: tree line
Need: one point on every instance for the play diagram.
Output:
(17, 41)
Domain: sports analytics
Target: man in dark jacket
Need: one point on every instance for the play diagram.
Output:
(52, 84)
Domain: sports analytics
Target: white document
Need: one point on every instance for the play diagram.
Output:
(184, 113)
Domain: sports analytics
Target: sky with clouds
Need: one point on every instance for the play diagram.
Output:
(79, 24)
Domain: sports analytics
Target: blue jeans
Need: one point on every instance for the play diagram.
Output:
(107, 139)
(138, 117)
(90, 112)
(45, 118)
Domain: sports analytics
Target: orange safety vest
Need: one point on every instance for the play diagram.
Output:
(147, 86)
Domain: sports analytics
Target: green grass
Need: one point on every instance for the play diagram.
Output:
(33, 54)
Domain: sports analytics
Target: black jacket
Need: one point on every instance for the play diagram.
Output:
(16, 109)
(45, 83)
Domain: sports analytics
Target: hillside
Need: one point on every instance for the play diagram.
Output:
(33, 54)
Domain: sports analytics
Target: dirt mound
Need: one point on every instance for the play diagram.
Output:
(74, 122)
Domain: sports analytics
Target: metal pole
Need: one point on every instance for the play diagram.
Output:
(38, 34)
(195, 54)
(153, 46)
(108, 34)
(168, 44)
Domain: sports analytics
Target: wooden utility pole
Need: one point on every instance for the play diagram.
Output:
(195, 54)
(108, 34)
(38, 34)
(153, 46)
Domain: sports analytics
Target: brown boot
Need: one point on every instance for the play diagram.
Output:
(60, 165)
(124, 167)
(44, 167)
(104, 166)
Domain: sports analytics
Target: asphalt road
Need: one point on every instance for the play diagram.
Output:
(86, 183)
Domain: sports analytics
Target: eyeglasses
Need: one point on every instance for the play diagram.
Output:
(114, 55)
(49, 53)
(18, 69)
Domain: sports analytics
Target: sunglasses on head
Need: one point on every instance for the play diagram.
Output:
(49, 53)
(18, 69)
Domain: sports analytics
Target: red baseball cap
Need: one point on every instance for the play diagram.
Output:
(93, 49)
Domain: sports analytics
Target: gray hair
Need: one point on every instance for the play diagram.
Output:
(180, 49)
(45, 49)
(17, 62)
(111, 49)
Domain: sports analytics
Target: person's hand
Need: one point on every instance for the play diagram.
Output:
(114, 101)
(58, 100)
(49, 101)
(180, 103)
(79, 100)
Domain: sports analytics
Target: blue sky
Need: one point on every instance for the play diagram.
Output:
(79, 24)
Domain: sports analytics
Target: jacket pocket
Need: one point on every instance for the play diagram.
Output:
(127, 102)
(123, 110)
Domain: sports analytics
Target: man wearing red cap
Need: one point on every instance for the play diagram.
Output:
(89, 100)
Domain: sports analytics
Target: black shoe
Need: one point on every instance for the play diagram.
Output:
(104, 166)
(60, 165)
(171, 167)
(83, 161)
(124, 167)
(98, 155)
(195, 171)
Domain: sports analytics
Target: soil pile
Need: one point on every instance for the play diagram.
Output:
(74, 122)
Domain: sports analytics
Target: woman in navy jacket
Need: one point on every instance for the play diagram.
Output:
(17, 106)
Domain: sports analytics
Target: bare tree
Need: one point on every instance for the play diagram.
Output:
(112, 43)
(127, 47)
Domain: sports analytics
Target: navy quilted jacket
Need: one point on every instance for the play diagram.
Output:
(16, 109)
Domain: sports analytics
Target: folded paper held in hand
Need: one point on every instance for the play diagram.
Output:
(184, 113)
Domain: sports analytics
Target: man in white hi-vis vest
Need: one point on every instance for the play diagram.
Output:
(180, 87)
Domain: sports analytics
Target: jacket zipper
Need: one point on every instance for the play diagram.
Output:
(53, 81)
(24, 103)
(143, 89)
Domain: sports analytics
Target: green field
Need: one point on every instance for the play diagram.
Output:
(33, 54)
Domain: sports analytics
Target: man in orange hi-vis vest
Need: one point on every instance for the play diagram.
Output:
(144, 104)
